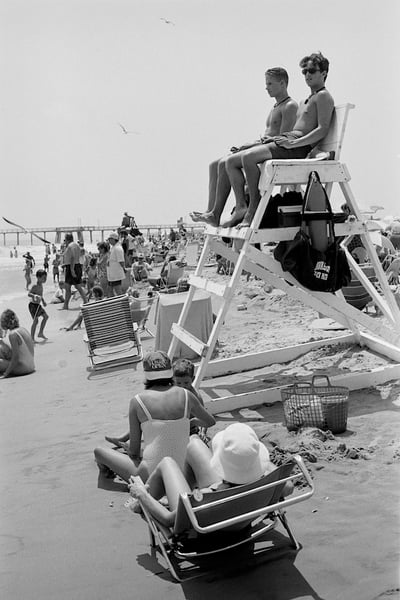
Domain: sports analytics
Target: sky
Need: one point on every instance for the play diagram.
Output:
(72, 70)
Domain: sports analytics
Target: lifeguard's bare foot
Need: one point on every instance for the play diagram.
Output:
(207, 217)
(41, 335)
(246, 222)
(236, 217)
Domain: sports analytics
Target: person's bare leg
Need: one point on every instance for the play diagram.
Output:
(81, 291)
(168, 480)
(198, 457)
(45, 318)
(219, 190)
(237, 179)
(250, 161)
(118, 463)
(33, 328)
(67, 295)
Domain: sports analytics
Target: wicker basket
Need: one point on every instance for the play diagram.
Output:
(311, 405)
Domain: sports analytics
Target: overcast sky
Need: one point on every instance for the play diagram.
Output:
(71, 70)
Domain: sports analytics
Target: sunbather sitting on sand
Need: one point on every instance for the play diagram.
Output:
(183, 376)
(16, 352)
(95, 295)
(237, 457)
(161, 414)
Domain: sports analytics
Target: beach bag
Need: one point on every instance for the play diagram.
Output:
(270, 218)
(321, 271)
(311, 405)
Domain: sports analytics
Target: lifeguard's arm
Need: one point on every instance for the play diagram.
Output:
(135, 432)
(199, 412)
(289, 115)
(13, 338)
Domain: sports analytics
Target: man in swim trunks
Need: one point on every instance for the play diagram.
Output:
(312, 124)
(281, 118)
(73, 269)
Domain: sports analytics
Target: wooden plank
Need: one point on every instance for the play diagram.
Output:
(208, 286)
(354, 381)
(380, 346)
(190, 340)
(249, 362)
(297, 172)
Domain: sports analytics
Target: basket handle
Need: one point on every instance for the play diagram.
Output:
(320, 377)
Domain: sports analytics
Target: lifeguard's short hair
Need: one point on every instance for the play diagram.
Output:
(278, 73)
(318, 60)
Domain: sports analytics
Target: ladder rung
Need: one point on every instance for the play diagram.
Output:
(208, 286)
(229, 232)
(189, 339)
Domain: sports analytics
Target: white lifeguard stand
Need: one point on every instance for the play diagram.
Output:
(365, 330)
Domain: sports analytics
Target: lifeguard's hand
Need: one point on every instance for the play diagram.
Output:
(283, 142)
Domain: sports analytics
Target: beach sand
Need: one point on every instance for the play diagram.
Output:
(66, 533)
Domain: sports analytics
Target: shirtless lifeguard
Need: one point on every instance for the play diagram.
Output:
(281, 118)
(312, 124)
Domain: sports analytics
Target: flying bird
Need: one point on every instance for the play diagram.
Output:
(166, 21)
(126, 132)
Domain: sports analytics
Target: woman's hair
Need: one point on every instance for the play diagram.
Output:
(162, 382)
(93, 262)
(103, 246)
(9, 319)
(318, 60)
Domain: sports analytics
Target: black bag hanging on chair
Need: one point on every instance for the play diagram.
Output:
(321, 271)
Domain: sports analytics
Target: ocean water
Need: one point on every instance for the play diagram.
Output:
(12, 280)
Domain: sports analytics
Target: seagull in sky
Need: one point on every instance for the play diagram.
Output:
(166, 21)
(125, 131)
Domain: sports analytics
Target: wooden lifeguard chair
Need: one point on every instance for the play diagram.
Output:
(365, 330)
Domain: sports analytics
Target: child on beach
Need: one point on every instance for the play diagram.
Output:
(183, 376)
(35, 308)
(95, 295)
(91, 274)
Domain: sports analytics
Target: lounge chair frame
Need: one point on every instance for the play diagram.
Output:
(260, 503)
(112, 337)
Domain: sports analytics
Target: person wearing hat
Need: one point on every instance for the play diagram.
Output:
(115, 265)
(159, 419)
(140, 269)
(237, 458)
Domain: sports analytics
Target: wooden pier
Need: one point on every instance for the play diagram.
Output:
(55, 234)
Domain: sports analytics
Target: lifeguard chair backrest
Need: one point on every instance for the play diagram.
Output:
(218, 506)
(333, 141)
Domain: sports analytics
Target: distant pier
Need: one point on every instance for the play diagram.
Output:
(55, 234)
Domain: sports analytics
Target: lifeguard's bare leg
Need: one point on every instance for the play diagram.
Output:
(250, 160)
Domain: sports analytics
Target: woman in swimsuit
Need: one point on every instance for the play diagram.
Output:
(161, 415)
(237, 458)
(16, 353)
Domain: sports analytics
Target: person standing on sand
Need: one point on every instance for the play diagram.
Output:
(115, 266)
(73, 269)
(35, 308)
(16, 353)
(102, 261)
(281, 118)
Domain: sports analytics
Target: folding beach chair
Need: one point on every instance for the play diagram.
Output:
(140, 310)
(210, 524)
(170, 281)
(111, 334)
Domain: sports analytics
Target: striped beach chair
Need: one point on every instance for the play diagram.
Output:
(112, 337)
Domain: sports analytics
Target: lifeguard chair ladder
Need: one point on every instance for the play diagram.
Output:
(365, 329)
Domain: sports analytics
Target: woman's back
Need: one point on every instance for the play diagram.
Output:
(164, 417)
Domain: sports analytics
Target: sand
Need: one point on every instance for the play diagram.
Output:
(66, 532)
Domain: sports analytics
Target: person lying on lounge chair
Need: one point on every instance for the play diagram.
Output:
(237, 458)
